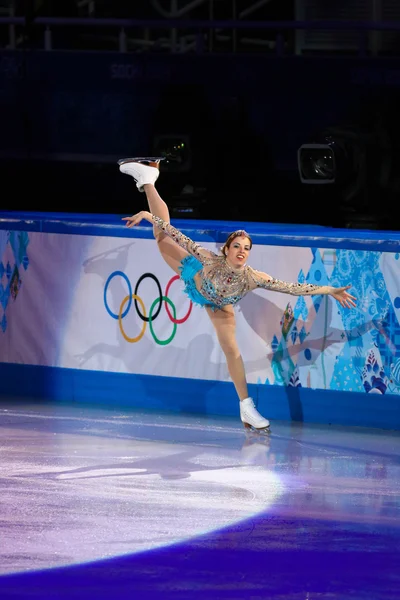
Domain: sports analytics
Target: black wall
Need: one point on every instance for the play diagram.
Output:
(66, 117)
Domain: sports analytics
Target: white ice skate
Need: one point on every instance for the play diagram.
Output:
(250, 416)
(143, 170)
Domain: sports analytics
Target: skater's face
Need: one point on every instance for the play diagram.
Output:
(238, 250)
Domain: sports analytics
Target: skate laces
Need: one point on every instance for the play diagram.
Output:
(250, 408)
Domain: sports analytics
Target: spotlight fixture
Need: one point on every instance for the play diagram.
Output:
(316, 164)
(176, 150)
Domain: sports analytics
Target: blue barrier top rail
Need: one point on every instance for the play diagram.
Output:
(270, 234)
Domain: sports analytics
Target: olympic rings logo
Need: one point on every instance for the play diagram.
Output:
(154, 311)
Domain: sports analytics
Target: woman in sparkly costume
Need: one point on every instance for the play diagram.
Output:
(216, 282)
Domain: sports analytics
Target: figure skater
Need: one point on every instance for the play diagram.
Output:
(216, 282)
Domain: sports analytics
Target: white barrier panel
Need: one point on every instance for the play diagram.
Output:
(66, 301)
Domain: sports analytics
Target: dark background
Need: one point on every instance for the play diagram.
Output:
(242, 100)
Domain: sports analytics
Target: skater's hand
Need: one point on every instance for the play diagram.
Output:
(135, 219)
(342, 296)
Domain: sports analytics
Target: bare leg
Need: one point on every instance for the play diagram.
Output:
(145, 176)
(170, 251)
(225, 327)
(156, 204)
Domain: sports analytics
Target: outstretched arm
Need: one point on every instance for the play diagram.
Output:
(262, 280)
(202, 254)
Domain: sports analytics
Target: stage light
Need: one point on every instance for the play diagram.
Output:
(176, 150)
(333, 158)
(316, 164)
(353, 163)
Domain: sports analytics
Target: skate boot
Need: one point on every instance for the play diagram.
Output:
(250, 416)
(143, 170)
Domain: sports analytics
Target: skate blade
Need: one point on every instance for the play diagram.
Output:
(250, 429)
(145, 160)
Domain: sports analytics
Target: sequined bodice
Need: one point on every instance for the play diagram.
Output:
(220, 284)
